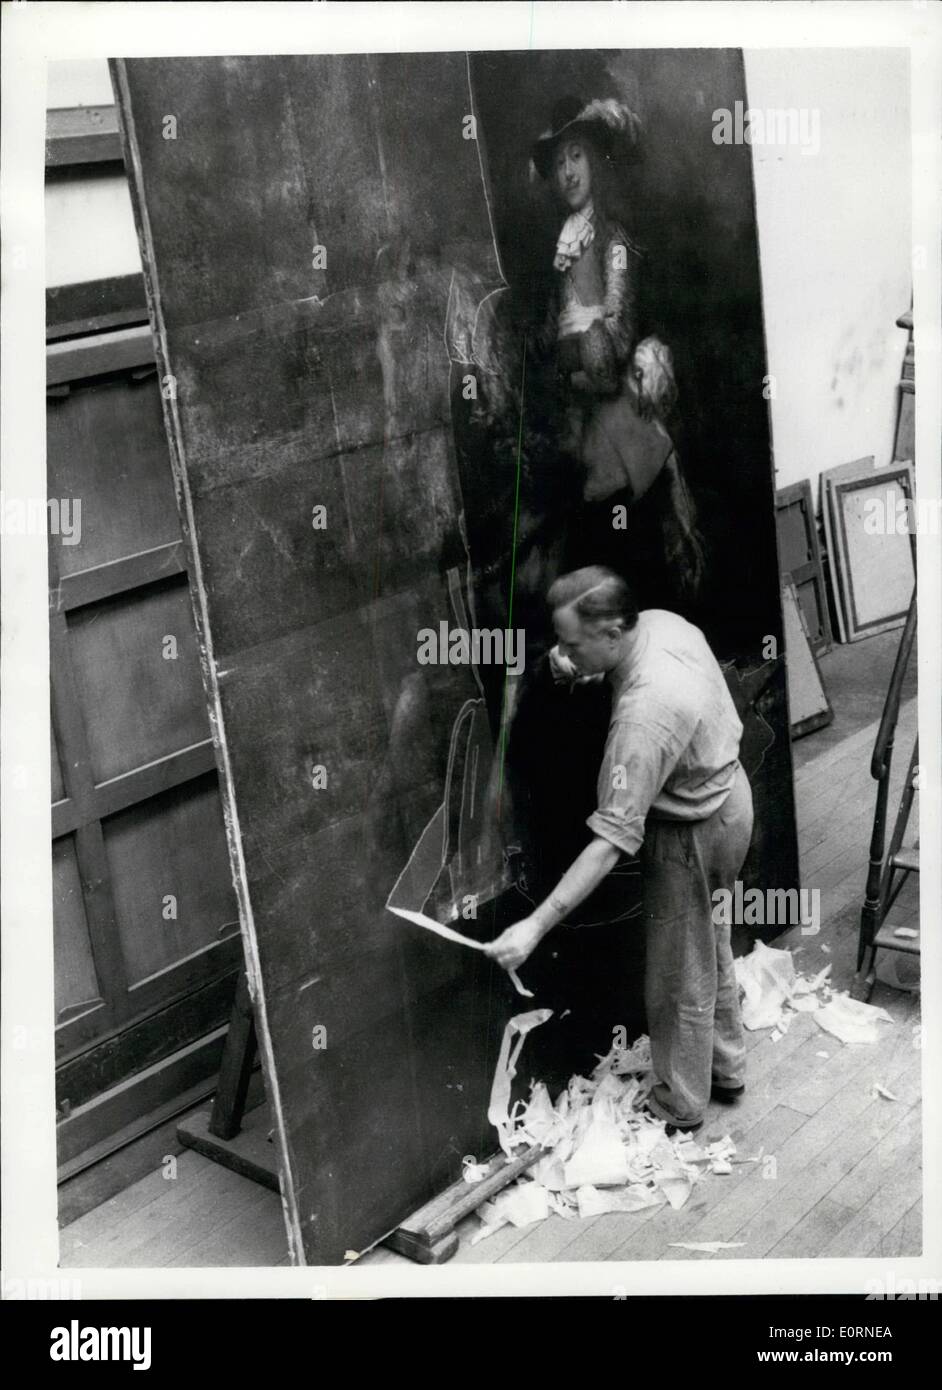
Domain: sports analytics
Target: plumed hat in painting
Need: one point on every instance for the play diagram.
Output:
(612, 127)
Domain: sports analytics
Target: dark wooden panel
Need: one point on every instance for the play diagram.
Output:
(365, 740)
(132, 787)
(58, 790)
(342, 190)
(171, 846)
(97, 354)
(115, 595)
(88, 1179)
(106, 446)
(153, 778)
(157, 706)
(105, 581)
(83, 1075)
(92, 306)
(120, 1106)
(421, 1155)
(111, 608)
(122, 1159)
(88, 848)
(301, 606)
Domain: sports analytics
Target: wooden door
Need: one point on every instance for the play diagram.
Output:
(146, 925)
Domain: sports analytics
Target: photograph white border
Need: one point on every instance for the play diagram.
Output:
(34, 34)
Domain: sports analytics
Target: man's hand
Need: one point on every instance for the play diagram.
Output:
(514, 945)
(583, 876)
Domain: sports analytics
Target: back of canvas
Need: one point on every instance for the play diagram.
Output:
(325, 276)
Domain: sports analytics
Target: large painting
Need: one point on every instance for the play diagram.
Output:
(383, 460)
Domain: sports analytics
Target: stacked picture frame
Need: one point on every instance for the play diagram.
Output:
(867, 513)
(800, 560)
(808, 705)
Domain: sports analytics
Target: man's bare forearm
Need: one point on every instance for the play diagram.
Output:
(581, 878)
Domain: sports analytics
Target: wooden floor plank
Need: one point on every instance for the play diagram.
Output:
(854, 745)
(255, 1237)
(194, 1189)
(806, 1239)
(820, 802)
(143, 1204)
(860, 740)
(802, 1074)
(864, 1182)
(489, 1250)
(848, 803)
(905, 1238)
(653, 1241)
(848, 859)
(868, 1231)
(833, 799)
(846, 1064)
(732, 1217)
(551, 1240)
(823, 864)
(195, 1217)
(816, 1177)
(596, 1240)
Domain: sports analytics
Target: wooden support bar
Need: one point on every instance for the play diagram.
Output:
(105, 1114)
(154, 778)
(249, 1152)
(93, 306)
(118, 576)
(429, 1236)
(82, 135)
(78, 358)
(238, 1060)
(107, 798)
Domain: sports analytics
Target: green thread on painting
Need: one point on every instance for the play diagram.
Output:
(513, 572)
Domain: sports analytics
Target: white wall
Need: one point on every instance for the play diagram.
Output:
(835, 251)
(78, 82)
(90, 232)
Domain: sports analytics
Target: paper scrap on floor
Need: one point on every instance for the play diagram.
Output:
(472, 1171)
(773, 992)
(851, 1020)
(601, 1155)
(709, 1247)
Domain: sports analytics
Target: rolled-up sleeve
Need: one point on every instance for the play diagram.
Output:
(639, 757)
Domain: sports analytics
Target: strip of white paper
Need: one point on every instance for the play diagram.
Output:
(429, 923)
(498, 1110)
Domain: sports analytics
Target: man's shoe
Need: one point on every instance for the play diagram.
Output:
(726, 1095)
(671, 1130)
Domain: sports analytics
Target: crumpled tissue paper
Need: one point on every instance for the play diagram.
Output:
(601, 1153)
(851, 1020)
